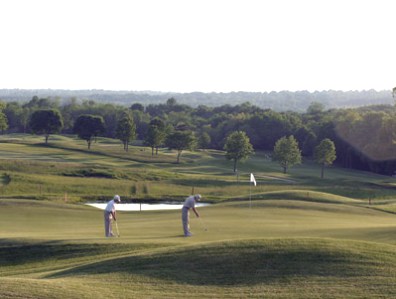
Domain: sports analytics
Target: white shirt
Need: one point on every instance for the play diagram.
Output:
(110, 206)
(190, 202)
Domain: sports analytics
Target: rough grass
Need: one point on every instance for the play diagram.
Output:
(67, 169)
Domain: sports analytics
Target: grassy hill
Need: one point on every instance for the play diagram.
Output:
(299, 237)
(66, 169)
(276, 249)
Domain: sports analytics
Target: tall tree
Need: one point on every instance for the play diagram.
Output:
(180, 140)
(46, 121)
(126, 130)
(3, 122)
(286, 152)
(204, 140)
(137, 106)
(315, 108)
(325, 154)
(171, 102)
(238, 147)
(43, 103)
(155, 135)
(3, 118)
(88, 126)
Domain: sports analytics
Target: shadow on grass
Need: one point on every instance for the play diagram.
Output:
(23, 252)
(102, 153)
(240, 263)
(204, 183)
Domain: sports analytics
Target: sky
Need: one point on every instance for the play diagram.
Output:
(198, 45)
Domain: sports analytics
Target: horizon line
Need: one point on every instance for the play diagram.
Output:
(187, 92)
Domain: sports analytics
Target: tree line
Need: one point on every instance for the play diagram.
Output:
(275, 100)
(363, 137)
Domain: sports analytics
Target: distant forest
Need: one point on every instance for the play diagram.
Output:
(297, 101)
(361, 124)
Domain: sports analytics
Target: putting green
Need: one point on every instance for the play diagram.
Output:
(275, 248)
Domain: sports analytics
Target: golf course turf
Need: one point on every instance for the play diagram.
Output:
(275, 249)
(299, 236)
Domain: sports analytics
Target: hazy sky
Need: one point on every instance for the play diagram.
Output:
(198, 45)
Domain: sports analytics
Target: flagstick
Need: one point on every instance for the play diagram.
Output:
(250, 196)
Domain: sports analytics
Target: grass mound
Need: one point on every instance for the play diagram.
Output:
(306, 195)
(275, 268)
(274, 249)
(254, 262)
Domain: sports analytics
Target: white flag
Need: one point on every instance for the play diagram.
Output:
(252, 179)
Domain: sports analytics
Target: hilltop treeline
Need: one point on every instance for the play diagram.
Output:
(364, 137)
(278, 101)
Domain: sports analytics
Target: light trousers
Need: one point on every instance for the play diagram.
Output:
(186, 221)
(108, 224)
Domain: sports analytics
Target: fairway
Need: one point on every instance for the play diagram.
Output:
(292, 236)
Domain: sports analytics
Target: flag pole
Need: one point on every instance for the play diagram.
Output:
(252, 180)
(250, 196)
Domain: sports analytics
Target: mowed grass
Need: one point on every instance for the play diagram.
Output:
(275, 249)
(66, 169)
(292, 236)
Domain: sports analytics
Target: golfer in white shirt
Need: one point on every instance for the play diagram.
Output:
(189, 204)
(110, 214)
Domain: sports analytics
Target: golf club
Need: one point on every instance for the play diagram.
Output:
(118, 232)
(203, 224)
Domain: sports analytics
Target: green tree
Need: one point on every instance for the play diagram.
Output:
(46, 121)
(88, 126)
(43, 103)
(325, 154)
(137, 106)
(3, 118)
(306, 139)
(238, 147)
(286, 152)
(180, 140)
(315, 108)
(3, 122)
(126, 130)
(24, 118)
(269, 126)
(204, 140)
(155, 135)
(171, 102)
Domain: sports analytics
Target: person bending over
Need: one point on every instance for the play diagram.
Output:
(110, 214)
(189, 204)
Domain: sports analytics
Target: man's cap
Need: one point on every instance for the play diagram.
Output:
(198, 197)
(117, 198)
